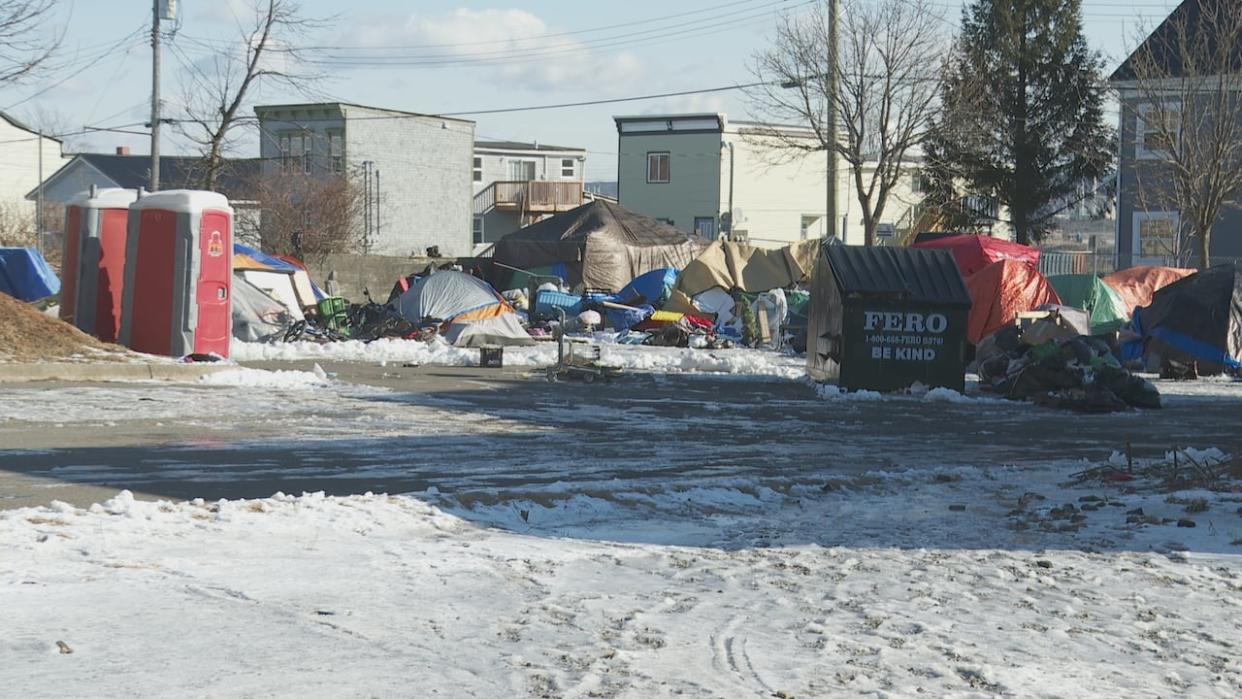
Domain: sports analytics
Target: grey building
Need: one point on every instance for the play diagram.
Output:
(415, 168)
(1149, 226)
(516, 184)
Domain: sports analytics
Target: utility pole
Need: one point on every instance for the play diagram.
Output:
(830, 109)
(377, 209)
(39, 200)
(154, 183)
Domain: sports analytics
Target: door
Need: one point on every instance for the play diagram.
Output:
(521, 170)
(213, 288)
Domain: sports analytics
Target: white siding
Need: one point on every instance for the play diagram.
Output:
(19, 164)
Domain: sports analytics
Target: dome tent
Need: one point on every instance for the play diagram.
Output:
(974, 252)
(1000, 292)
(471, 312)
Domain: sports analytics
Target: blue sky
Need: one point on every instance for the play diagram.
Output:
(472, 55)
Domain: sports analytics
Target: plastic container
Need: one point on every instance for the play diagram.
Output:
(93, 262)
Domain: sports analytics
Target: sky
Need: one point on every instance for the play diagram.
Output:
(449, 57)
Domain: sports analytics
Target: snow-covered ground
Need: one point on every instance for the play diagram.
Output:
(629, 357)
(951, 582)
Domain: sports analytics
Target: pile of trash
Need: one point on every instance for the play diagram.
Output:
(1052, 365)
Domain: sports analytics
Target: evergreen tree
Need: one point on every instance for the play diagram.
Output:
(1023, 119)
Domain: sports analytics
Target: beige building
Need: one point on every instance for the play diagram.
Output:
(686, 168)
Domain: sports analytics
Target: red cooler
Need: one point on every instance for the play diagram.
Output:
(177, 298)
(93, 266)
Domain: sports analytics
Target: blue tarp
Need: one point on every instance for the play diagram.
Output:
(654, 286)
(25, 275)
(276, 263)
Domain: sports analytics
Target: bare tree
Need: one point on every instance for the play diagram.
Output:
(24, 49)
(888, 80)
(1187, 78)
(306, 216)
(216, 91)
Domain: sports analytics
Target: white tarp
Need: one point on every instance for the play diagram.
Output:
(278, 285)
(257, 317)
(505, 330)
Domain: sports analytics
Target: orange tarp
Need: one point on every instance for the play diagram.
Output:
(1002, 290)
(1136, 285)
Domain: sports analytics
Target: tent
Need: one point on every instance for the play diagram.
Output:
(1136, 285)
(974, 252)
(729, 266)
(1198, 318)
(25, 275)
(602, 245)
(654, 287)
(280, 278)
(257, 317)
(470, 311)
(1104, 307)
(1002, 290)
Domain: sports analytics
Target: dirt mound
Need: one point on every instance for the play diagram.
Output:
(28, 335)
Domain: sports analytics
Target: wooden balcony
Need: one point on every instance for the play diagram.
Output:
(529, 197)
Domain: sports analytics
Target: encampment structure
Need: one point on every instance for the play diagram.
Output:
(1196, 319)
(1000, 292)
(468, 310)
(974, 252)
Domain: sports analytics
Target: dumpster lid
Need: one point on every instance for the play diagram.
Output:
(914, 274)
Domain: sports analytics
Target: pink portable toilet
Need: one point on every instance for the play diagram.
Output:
(93, 264)
(177, 297)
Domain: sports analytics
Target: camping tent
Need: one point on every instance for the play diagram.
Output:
(257, 317)
(1002, 290)
(1086, 291)
(974, 252)
(1198, 318)
(1135, 286)
(602, 245)
(469, 309)
(279, 278)
(739, 266)
(25, 275)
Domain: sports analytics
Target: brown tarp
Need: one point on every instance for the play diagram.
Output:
(739, 266)
(1137, 285)
(603, 245)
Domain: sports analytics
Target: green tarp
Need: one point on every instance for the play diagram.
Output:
(1090, 293)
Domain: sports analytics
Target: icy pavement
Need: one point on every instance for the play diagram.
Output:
(947, 582)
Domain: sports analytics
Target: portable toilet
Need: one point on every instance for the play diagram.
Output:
(883, 318)
(93, 261)
(178, 274)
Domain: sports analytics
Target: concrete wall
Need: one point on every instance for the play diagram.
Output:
(375, 272)
(1144, 191)
(693, 189)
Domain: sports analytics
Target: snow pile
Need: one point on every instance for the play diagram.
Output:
(261, 378)
(629, 357)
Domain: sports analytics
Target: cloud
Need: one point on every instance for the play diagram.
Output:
(510, 48)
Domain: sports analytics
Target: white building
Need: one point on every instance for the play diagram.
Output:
(516, 184)
(687, 168)
(21, 149)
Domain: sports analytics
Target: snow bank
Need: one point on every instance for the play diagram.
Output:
(629, 357)
(261, 378)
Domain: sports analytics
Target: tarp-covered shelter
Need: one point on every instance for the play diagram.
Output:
(974, 252)
(257, 317)
(883, 318)
(729, 265)
(280, 278)
(1000, 292)
(25, 275)
(470, 311)
(1136, 285)
(1198, 318)
(1105, 310)
(602, 245)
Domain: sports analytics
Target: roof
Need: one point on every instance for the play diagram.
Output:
(522, 145)
(20, 125)
(1162, 45)
(914, 274)
(176, 172)
(325, 105)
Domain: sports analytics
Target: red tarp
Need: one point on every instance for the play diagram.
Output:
(1000, 292)
(974, 252)
(1136, 285)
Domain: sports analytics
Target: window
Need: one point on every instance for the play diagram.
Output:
(1156, 130)
(567, 168)
(521, 170)
(336, 151)
(917, 184)
(705, 226)
(478, 228)
(809, 221)
(294, 152)
(658, 168)
(306, 153)
(478, 169)
(1155, 237)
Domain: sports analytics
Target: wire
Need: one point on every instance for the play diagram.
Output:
(74, 71)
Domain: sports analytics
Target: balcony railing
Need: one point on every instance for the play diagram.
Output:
(531, 196)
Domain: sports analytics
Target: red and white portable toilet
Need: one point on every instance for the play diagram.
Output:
(93, 263)
(177, 298)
